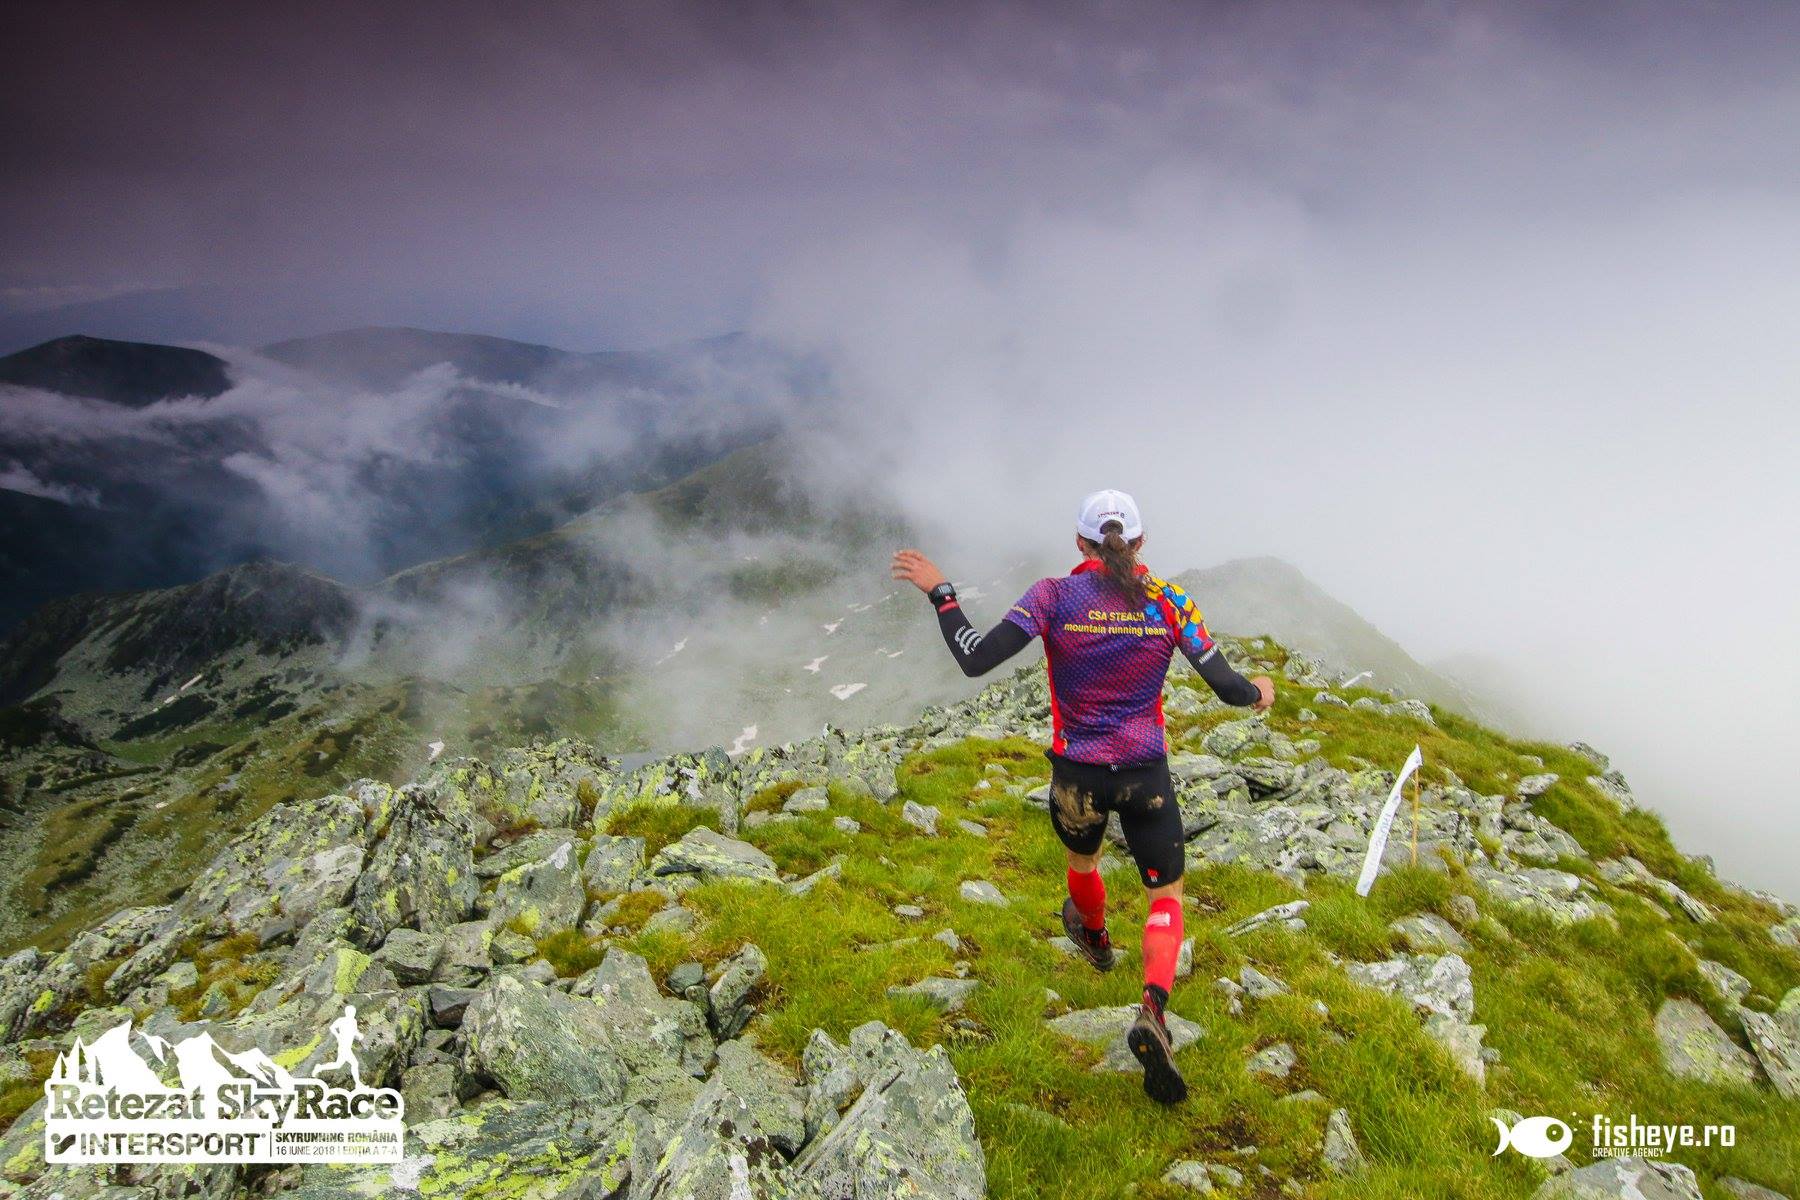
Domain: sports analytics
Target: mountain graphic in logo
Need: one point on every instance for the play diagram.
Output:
(113, 1062)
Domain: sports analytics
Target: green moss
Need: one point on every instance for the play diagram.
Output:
(658, 823)
(571, 952)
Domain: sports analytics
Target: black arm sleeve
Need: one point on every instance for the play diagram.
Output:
(978, 653)
(1226, 683)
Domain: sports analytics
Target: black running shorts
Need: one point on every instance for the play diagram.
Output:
(1081, 794)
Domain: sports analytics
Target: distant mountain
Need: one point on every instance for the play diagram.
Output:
(361, 453)
(134, 374)
(1249, 596)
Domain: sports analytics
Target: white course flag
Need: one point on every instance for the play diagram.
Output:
(1378, 839)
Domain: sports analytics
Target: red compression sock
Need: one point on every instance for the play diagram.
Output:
(1089, 893)
(1162, 943)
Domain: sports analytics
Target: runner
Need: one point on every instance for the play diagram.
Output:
(1110, 629)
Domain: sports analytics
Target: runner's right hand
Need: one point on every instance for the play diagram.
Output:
(1266, 686)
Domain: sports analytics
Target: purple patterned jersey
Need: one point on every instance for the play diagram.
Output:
(1107, 660)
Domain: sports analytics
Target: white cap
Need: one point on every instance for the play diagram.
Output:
(1104, 506)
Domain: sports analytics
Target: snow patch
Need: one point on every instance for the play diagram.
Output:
(436, 749)
(815, 664)
(743, 741)
(844, 691)
(833, 627)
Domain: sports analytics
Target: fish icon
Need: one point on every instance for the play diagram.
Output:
(1534, 1137)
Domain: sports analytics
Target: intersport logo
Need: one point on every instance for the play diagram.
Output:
(138, 1098)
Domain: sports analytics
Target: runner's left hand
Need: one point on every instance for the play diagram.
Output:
(1266, 686)
(917, 570)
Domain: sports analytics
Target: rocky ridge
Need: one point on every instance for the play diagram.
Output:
(429, 907)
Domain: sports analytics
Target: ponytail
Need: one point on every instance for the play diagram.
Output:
(1119, 557)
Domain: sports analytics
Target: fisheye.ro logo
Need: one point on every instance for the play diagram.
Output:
(1535, 1137)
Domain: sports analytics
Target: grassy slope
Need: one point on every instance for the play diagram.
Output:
(1570, 1011)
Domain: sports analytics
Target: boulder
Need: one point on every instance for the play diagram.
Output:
(1775, 1050)
(772, 1096)
(1694, 1047)
(735, 979)
(1341, 1155)
(535, 1043)
(613, 864)
(663, 1041)
(1743, 1189)
(1276, 1061)
(721, 1151)
(541, 897)
(412, 956)
(1285, 915)
(1622, 1179)
(502, 1148)
(945, 994)
(1107, 1027)
(707, 854)
(922, 817)
(980, 891)
(1730, 985)
(1428, 933)
(1223, 741)
(909, 1133)
(422, 872)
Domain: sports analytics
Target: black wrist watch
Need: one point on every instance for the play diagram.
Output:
(941, 594)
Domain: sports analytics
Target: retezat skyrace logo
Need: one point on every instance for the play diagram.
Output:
(193, 1101)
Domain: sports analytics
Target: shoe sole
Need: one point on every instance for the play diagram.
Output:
(1162, 1082)
(1072, 926)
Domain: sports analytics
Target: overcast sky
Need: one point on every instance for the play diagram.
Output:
(1485, 316)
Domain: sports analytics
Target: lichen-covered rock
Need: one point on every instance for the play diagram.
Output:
(767, 1090)
(422, 871)
(1775, 1050)
(663, 1041)
(720, 1152)
(1730, 985)
(503, 1149)
(1742, 1189)
(548, 784)
(613, 863)
(1559, 895)
(922, 817)
(44, 985)
(1291, 915)
(534, 846)
(1441, 990)
(1107, 1027)
(1428, 933)
(1622, 1179)
(1341, 1155)
(1694, 1047)
(1276, 1061)
(543, 896)
(708, 854)
(736, 978)
(1228, 739)
(909, 1133)
(944, 993)
(410, 955)
(536, 1043)
(1430, 983)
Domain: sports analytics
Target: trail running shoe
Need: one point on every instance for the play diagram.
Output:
(1094, 944)
(1149, 1042)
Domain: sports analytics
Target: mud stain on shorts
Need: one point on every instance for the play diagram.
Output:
(1074, 806)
